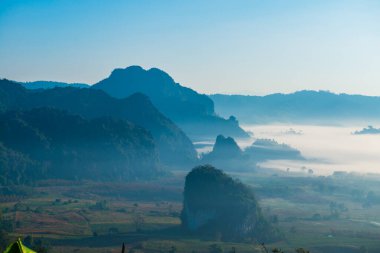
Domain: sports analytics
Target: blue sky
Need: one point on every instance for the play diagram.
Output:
(249, 47)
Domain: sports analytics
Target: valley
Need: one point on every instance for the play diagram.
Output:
(318, 213)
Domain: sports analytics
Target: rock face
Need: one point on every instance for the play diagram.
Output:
(171, 98)
(226, 154)
(214, 203)
(191, 111)
(226, 146)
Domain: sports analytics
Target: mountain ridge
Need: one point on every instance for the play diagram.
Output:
(173, 145)
(51, 84)
(49, 143)
(315, 107)
(193, 112)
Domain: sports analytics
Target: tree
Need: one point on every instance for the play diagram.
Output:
(38, 245)
(274, 219)
(363, 249)
(138, 221)
(215, 248)
(100, 205)
(173, 249)
(4, 240)
(28, 241)
(302, 250)
(113, 231)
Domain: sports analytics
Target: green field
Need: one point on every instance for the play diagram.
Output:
(322, 214)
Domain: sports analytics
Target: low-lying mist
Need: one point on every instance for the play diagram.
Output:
(327, 148)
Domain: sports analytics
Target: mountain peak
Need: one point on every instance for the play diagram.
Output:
(192, 111)
(161, 74)
(136, 79)
(128, 70)
(226, 145)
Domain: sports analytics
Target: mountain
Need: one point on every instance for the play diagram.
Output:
(174, 147)
(227, 155)
(214, 203)
(226, 146)
(16, 167)
(318, 107)
(368, 130)
(266, 149)
(48, 143)
(193, 112)
(51, 85)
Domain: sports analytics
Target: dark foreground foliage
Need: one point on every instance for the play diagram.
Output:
(49, 143)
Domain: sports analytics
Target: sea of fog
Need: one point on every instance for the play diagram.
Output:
(327, 148)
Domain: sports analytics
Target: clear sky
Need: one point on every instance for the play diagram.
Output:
(215, 46)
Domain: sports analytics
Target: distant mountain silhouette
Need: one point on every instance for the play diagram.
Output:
(368, 130)
(319, 107)
(224, 148)
(48, 143)
(174, 147)
(266, 149)
(51, 85)
(227, 155)
(193, 112)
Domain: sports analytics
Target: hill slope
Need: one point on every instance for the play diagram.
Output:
(215, 203)
(300, 107)
(193, 112)
(49, 143)
(174, 147)
(52, 84)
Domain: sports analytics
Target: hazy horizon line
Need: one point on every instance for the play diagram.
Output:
(208, 93)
